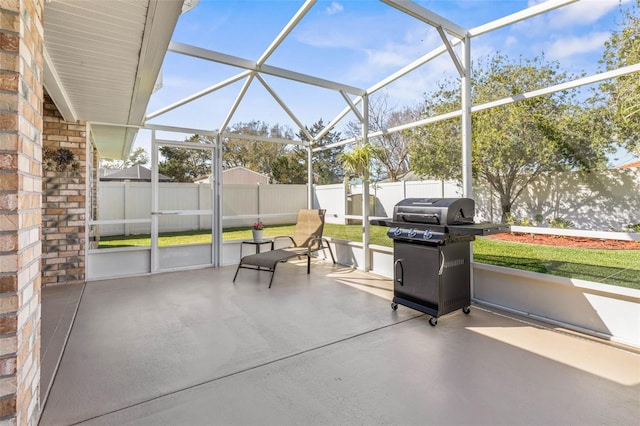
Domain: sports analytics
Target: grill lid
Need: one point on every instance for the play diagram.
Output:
(435, 211)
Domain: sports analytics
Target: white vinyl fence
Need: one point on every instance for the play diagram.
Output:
(384, 196)
(601, 201)
(242, 205)
(598, 201)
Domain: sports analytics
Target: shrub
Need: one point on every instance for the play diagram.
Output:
(512, 220)
(526, 222)
(634, 227)
(559, 222)
(539, 219)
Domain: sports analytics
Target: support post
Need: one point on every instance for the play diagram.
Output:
(467, 184)
(309, 177)
(467, 188)
(366, 237)
(216, 197)
(155, 258)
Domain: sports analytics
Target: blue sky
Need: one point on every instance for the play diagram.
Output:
(357, 42)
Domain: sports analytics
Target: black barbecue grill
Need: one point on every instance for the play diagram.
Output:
(432, 253)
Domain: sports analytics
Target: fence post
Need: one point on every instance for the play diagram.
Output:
(258, 196)
(200, 204)
(126, 206)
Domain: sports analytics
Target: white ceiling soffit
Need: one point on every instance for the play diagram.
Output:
(102, 59)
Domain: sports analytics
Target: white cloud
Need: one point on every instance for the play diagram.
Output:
(334, 8)
(383, 60)
(583, 12)
(570, 18)
(510, 41)
(570, 46)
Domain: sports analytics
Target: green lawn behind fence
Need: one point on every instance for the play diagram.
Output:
(616, 267)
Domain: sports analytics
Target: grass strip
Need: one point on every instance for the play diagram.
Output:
(615, 267)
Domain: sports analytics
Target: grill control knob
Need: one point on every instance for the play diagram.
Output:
(412, 232)
(397, 231)
(427, 235)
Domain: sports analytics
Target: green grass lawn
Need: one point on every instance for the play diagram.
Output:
(616, 267)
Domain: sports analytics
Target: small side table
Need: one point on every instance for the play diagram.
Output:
(257, 243)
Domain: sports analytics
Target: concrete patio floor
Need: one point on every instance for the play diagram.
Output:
(192, 348)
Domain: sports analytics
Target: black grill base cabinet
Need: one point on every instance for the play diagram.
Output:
(434, 279)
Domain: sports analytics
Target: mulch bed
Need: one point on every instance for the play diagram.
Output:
(578, 242)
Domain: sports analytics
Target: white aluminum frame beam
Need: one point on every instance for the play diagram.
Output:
(425, 15)
(306, 7)
(337, 119)
(185, 130)
(232, 135)
(476, 31)
(184, 144)
(411, 67)
(160, 127)
(559, 87)
(504, 101)
(285, 107)
(519, 16)
(234, 61)
(200, 94)
(353, 106)
(236, 103)
(452, 53)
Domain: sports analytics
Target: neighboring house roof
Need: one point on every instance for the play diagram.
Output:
(238, 175)
(409, 176)
(243, 175)
(629, 165)
(135, 173)
(101, 63)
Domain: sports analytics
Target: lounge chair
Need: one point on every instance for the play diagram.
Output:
(306, 239)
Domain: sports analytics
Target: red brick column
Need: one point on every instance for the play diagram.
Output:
(64, 200)
(21, 70)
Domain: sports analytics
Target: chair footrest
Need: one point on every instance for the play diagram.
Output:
(268, 259)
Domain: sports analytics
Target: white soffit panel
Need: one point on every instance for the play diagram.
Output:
(102, 59)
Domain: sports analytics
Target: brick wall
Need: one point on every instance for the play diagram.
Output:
(92, 174)
(63, 202)
(21, 70)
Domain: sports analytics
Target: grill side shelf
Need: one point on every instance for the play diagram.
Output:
(479, 229)
(469, 229)
(382, 222)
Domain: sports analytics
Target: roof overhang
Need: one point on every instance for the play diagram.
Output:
(102, 61)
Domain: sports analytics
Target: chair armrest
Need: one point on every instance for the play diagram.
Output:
(284, 237)
(315, 240)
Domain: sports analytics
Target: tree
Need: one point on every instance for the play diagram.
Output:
(255, 155)
(185, 164)
(289, 169)
(391, 155)
(292, 167)
(514, 143)
(358, 161)
(623, 93)
(137, 157)
(435, 150)
(326, 166)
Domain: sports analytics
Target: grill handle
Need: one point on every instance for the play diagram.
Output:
(432, 218)
(401, 275)
(441, 262)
